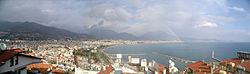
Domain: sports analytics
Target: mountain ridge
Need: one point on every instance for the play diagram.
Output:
(34, 31)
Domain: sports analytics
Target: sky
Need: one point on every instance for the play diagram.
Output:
(227, 20)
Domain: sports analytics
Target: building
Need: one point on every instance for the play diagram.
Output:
(157, 69)
(129, 59)
(79, 70)
(161, 69)
(172, 68)
(201, 67)
(108, 70)
(243, 55)
(135, 61)
(236, 65)
(240, 65)
(143, 64)
(42, 68)
(15, 61)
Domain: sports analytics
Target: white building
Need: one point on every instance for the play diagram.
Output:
(144, 62)
(118, 59)
(135, 60)
(129, 59)
(172, 68)
(13, 61)
(82, 71)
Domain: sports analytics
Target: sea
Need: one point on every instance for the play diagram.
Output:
(193, 51)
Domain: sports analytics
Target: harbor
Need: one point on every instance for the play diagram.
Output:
(172, 57)
(114, 55)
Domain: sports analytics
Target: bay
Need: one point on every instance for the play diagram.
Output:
(187, 50)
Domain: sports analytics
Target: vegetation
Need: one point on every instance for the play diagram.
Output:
(81, 52)
(52, 62)
(86, 53)
(96, 56)
(105, 58)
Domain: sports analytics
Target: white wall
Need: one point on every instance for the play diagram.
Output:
(22, 62)
(24, 71)
(82, 71)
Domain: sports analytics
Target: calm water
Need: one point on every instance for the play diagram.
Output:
(191, 51)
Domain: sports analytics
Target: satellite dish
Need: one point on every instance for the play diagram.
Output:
(2, 46)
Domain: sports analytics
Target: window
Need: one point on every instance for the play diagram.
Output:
(16, 60)
(11, 62)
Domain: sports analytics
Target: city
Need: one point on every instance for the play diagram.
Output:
(88, 57)
(124, 36)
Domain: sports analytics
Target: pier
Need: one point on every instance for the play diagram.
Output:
(214, 57)
(114, 55)
(172, 57)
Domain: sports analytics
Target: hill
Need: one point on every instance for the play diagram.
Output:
(35, 31)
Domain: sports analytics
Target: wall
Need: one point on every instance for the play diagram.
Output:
(22, 62)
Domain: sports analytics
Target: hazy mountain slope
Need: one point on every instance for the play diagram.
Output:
(34, 31)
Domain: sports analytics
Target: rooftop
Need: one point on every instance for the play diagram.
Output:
(200, 67)
(160, 68)
(39, 66)
(238, 62)
(7, 54)
(107, 71)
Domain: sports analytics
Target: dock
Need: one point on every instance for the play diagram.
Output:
(114, 55)
(214, 57)
(172, 57)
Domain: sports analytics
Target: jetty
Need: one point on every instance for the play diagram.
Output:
(214, 57)
(114, 55)
(172, 57)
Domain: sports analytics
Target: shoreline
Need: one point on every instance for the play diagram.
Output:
(181, 63)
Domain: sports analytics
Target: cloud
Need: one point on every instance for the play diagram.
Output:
(109, 14)
(207, 24)
(238, 9)
(248, 16)
(136, 17)
(219, 19)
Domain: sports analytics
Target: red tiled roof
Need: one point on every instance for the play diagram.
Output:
(5, 55)
(237, 62)
(161, 68)
(32, 53)
(57, 71)
(107, 71)
(39, 66)
(200, 67)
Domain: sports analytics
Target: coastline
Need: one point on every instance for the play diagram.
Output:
(189, 50)
(110, 46)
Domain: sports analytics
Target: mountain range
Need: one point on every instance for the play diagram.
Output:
(35, 31)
